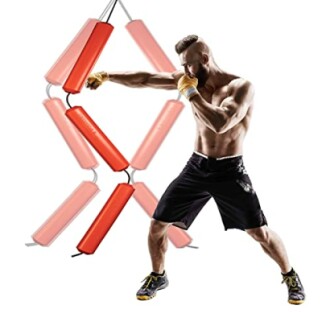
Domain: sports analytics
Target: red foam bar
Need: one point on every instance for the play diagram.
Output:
(70, 133)
(97, 138)
(105, 219)
(88, 57)
(59, 72)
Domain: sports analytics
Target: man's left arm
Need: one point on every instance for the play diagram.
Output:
(231, 110)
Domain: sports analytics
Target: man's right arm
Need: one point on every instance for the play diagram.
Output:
(161, 80)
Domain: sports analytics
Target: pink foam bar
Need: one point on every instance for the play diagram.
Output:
(149, 46)
(65, 213)
(148, 202)
(70, 133)
(59, 72)
(156, 134)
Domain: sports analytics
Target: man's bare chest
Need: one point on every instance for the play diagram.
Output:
(214, 97)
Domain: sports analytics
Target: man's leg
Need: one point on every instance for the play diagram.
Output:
(158, 242)
(272, 244)
(157, 280)
(182, 200)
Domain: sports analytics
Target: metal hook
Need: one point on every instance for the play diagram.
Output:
(95, 175)
(129, 177)
(67, 100)
(132, 176)
(48, 87)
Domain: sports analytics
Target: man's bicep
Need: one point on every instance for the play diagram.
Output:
(238, 101)
(164, 80)
(244, 93)
(235, 106)
(161, 80)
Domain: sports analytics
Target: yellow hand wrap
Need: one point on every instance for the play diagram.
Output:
(96, 79)
(188, 86)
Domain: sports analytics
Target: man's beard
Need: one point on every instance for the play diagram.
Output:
(201, 75)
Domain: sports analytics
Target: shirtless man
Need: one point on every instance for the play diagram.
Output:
(222, 106)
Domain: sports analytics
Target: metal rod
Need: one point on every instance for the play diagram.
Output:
(193, 247)
(125, 10)
(31, 244)
(106, 10)
(112, 9)
(77, 254)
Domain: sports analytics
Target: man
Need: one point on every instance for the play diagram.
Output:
(222, 106)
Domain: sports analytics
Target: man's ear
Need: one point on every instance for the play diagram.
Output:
(205, 58)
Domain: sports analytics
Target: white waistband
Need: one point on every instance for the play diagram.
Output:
(225, 157)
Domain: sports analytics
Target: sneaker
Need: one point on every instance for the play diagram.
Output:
(295, 288)
(152, 284)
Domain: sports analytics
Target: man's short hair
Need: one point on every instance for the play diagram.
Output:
(184, 43)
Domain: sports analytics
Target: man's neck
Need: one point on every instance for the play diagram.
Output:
(217, 78)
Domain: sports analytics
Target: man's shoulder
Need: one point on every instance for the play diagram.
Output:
(239, 83)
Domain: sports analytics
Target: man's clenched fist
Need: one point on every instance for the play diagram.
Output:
(188, 86)
(96, 79)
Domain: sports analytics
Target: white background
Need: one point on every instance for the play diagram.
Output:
(228, 283)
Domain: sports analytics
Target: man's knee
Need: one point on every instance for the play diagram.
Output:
(260, 234)
(158, 228)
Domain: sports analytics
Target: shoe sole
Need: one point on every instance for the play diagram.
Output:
(150, 297)
(296, 302)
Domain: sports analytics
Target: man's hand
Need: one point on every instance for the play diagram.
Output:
(188, 86)
(96, 79)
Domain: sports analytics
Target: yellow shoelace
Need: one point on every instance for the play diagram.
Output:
(291, 281)
(148, 280)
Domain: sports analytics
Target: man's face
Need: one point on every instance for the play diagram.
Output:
(202, 75)
(194, 67)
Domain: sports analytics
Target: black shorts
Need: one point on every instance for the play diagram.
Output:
(225, 180)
